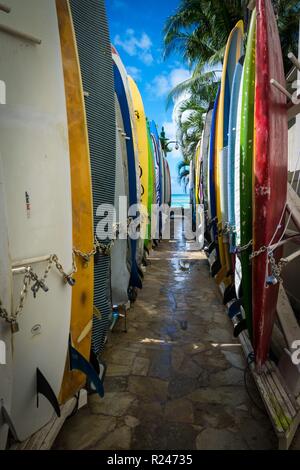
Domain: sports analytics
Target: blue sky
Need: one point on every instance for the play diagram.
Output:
(136, 31)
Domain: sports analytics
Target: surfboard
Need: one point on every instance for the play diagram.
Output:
(246, 162)
(236, 233)
(198, 164)
(35, 155)
(233, 52)
(82, 210)
(212, 208)
(93, 43)
(152, 185)
(169, 184)
(139, 253)
(234, 123)
(158, 171)
(119, 78)
(143, 155)
(205, 157)
(270, 173)
(5, 329)
(120, 274)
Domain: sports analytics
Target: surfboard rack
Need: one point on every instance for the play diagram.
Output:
(44, 388)
(5, 8)
(282, 407)
(79, 362)
(281, 89)
(294, 60)
(20, 35)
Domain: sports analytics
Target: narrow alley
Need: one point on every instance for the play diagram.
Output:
(175, 380)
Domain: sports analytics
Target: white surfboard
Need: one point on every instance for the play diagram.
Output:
(120, 274)
(5, 330)
(35, 154)
(118, 61)
(237, 210)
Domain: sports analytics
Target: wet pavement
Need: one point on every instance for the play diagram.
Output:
(176, 379)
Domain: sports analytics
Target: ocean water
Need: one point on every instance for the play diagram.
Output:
(180, 200)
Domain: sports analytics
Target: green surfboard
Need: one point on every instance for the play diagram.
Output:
(246, 159)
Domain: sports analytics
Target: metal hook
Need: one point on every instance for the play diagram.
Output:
(281, 88)
(294, 60)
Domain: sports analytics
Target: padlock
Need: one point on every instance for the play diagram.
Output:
(14, 327)
(85, 261)
(43, 285)
(271, 281)
(70, 280)
(35, 288)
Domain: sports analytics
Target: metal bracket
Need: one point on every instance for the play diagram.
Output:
(5, 8)
(20, 34)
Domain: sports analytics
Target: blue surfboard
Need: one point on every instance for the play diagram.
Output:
(135, 280)
(212, 189)
(159, 173)
(232, 149)
(158, 162)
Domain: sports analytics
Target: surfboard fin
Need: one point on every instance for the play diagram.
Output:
(211, 247)
(44, 388)
(7, 420)
(229, 294)
(215, 268)
(235, 308)
(239, 327)
(135, 280)
(79, 362)
(141, 274)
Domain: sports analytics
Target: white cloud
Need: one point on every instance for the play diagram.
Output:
(136, 46)
(162, 84)
(178, 76)
(135, 73)
(159, 86)
(147, 58)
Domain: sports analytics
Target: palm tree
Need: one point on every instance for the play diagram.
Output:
(198, 30)
(183, 169)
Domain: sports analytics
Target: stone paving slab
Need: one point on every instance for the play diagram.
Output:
(175, 380)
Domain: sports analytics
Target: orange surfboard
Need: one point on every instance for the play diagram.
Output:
(82, 208)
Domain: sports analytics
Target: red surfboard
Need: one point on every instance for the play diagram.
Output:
(270, 173)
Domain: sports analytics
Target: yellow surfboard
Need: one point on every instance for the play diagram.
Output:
(197, 175)
(142, 146)
(233, 53)
(82, 206)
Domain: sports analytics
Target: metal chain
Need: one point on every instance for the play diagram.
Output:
(256, 253)
(240, 249)
(86, 256)
(30, 276)
(276, 268)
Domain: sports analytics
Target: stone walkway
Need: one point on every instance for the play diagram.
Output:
(175, 380)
